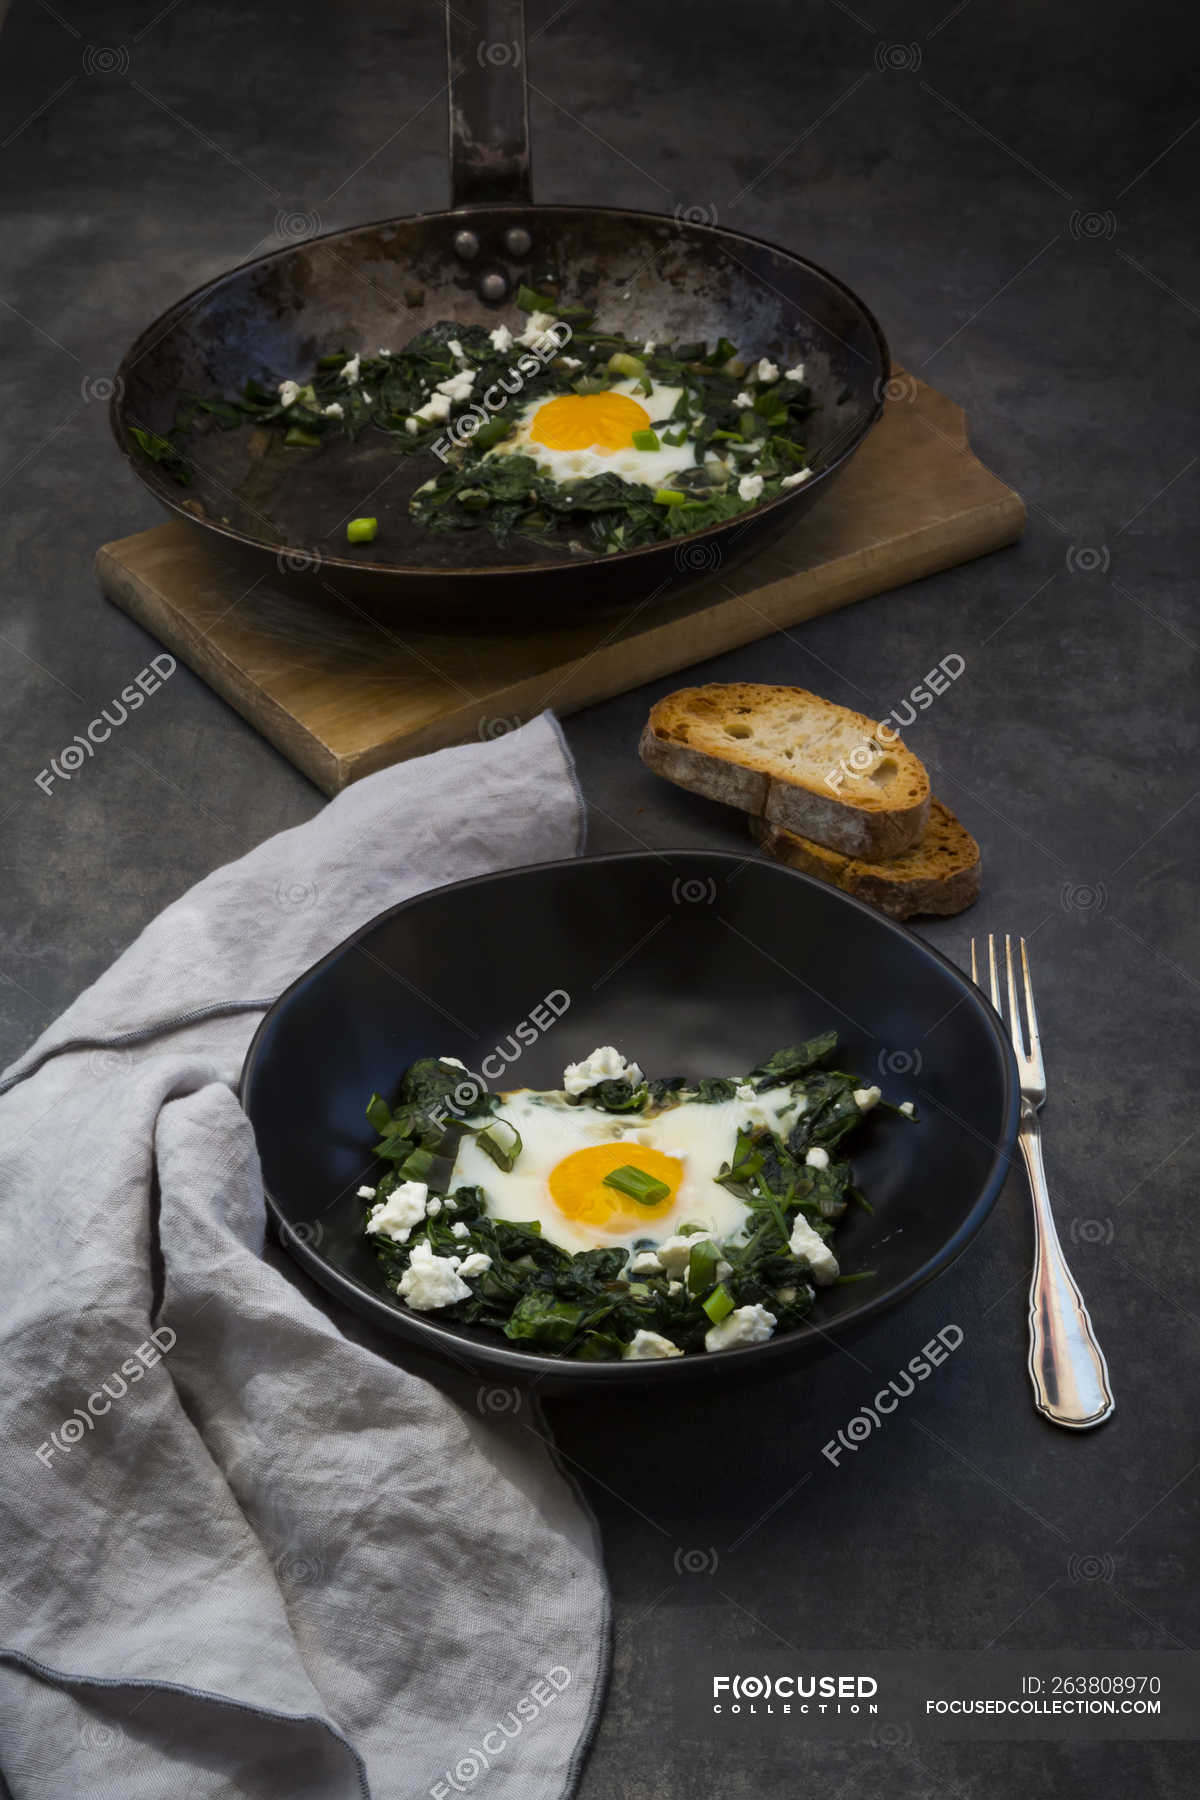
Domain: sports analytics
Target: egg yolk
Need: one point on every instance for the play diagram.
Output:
(603, 422)
(578, 1191)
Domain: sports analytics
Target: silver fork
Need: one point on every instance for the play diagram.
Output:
(1066, 1364)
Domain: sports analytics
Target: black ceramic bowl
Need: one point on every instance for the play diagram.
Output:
(694, 963)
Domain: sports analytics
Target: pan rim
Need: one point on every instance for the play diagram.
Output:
(165, 321)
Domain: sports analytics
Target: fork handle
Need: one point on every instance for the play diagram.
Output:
(1066, 1364)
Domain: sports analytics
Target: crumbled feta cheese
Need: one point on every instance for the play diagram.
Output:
(674, 1253)
(433, 1209)
(403, 1208)
(645, 1263)
(796, 374)
(743, 399)
(366, 1193)
(750, 487)
(366, 397)
(459, 386)
(475, 1264)
(744, 1325)
(907, 1108)
(648, 347)
(383, 352)
(412, 425)
(431, 1281)
(767, 371)
(785, 1294)
(743, 1091)
(335, 410)
(502, 338)
(436, 407)
(604, 1064)
(795, 480)
(349, 371)
(811, 1247)
(452, 1206)
(459, 1229)
(539, 324)
(817, 1158)
(649, 1346)
(571, 362)
(722, 1269)
(674, 1287)
(289, 393)
(456, 350)
(866, 1098)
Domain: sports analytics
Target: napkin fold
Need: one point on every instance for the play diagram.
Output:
(248, 1552)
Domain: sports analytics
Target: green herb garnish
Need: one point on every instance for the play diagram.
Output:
(719, 1304)
(647, 1190)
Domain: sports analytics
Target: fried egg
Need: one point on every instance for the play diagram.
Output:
(573, 436)
(568, 1150)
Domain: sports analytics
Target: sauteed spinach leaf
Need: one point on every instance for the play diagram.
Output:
(454, 393)
(622, 1299)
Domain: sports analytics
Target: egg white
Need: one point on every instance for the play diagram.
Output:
(702, 1137)
(650, 468)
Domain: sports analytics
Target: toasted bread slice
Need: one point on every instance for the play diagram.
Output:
(941, 874)
(794, 759)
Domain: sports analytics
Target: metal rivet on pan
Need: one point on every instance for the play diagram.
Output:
(466, 245)
(493, 286)
(517, 241)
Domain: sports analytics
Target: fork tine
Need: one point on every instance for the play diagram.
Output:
(1035, 1039)
(995, 977)
(1014, 1011)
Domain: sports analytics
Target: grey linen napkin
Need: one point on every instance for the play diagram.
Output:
(247, 1552)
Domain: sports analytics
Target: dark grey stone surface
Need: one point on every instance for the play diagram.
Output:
(1011, 189)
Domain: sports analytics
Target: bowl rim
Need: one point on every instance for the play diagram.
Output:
(445, 1340)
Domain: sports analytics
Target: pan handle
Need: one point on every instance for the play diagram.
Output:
(489, 114)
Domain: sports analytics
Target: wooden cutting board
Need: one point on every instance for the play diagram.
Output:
(341, 695)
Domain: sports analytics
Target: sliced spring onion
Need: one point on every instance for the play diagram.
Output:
(669, 497)
(296, 438)
(621, 363)
(862, 1275)
(673, 438)
(647, 1190)
(360, 531)
(719, 1304)
(647, 440)
(502, 1142)
(702, 1267)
